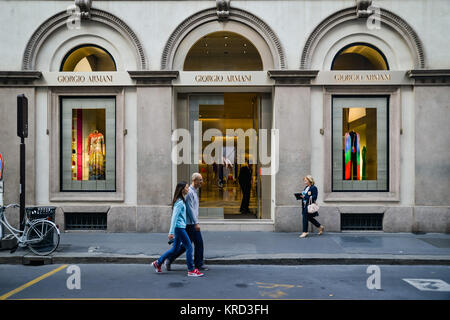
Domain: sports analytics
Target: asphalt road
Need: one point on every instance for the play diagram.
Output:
(118, 281)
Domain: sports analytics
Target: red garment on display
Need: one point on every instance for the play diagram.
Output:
(79, 144)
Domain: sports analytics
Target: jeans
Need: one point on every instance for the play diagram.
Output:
(181, 238)
(196, 238)
(308, 217)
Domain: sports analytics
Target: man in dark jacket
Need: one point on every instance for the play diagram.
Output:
(245, 181)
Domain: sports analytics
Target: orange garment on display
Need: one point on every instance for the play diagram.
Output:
(97, 154)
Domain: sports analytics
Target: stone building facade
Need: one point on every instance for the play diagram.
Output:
(354, 93)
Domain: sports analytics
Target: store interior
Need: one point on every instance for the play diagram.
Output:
(221, 187)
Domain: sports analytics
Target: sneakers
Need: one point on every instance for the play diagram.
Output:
(303, 235)
(157, 267)
(167, 265)
(195, 273)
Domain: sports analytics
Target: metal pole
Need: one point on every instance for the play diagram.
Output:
(22, 132)
(2, 165)
(22, 182)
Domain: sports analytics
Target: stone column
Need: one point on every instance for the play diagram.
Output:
(292, 117)
(432, 153)
(13, 83)
(154, 130)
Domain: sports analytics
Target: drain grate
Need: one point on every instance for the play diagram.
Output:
(362, 221)
(85, 221)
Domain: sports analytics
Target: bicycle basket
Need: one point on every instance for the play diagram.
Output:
(34, 213)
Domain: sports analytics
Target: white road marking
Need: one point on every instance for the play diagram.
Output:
(429, 284)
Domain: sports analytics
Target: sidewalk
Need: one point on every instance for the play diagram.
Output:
(249, 248)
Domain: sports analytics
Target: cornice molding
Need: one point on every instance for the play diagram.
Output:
(431, 77)
(154, 78)
(19, 77)
(292, 77)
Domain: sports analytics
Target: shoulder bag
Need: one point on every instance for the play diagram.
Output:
(312, 207)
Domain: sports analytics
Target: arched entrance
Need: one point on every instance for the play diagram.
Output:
(226, 116)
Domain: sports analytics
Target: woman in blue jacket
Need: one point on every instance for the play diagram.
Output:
(178, 232)
(310, 191)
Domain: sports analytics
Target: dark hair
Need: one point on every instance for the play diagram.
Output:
(179, 192)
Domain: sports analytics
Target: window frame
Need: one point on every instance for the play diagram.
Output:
(393, 152)
(67, 55)
(353, 44)
(387, 138)
(61, 98)
(55, 132)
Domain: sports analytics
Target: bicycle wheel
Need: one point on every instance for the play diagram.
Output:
(42, 237)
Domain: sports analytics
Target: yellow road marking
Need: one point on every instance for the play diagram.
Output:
(273, 294)
(277, 293)
(275, 285)
(28, 284)
(149, 299)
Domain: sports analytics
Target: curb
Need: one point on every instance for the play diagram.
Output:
(291, 261)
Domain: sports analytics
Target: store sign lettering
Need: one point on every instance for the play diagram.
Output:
(77, 79)
(362, 77)
(223, 78)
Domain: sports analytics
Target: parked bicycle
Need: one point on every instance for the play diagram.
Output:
(41, 236)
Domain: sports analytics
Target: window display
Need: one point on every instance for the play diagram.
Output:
(360, 130)
(96, 151)
(92, 136)
(360, 143)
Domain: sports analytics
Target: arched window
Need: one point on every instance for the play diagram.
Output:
(220, 51)
(88, 58)
(359, 56)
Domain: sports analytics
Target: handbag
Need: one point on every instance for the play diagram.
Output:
(312, 207)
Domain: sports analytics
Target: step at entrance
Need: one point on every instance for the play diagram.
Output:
(237, 225)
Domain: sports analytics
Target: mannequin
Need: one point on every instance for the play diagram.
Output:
(364, 163)
(97, 153)
(352, 156)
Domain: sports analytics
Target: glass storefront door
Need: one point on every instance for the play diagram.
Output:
(224, 131)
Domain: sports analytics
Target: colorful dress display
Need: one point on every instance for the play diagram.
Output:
(352, 153)
(364, 163)
(97, 154)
